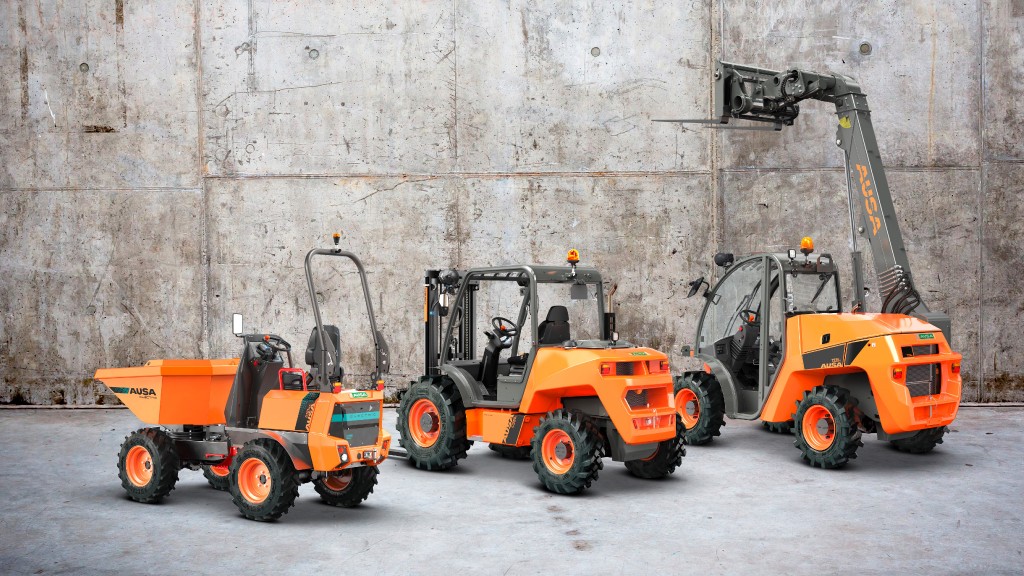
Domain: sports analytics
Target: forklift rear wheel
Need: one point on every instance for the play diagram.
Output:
(700, 406)
(432, 424)
(779, 427)
(922, 442)
(217, 476)
(347, 488)
(567, 452)
(661, 463)
(511, 452)
(263, 483)
(826, 433)
(148, 465)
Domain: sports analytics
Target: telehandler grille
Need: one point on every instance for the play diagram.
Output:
(924, 379)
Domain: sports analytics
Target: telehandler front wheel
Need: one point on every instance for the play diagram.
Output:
(566, 450)
(432, 424)
(347, 488)
(662, 463)
(148, 465)
(700, 407)
(826, 433)
(218, 476)
(922, 442)
(263, 482)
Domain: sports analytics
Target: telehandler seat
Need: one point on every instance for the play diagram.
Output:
(555, 328)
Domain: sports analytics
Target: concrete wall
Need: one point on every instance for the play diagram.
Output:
(169, 163)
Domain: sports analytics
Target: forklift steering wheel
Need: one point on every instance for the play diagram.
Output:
(504, 327)
(749, 317)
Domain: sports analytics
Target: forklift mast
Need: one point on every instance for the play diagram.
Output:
(760, 95)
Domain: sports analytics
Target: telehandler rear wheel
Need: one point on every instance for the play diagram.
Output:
(217, 476)
(511, 452)
(347, 488)
(148, 465)
(263, 483)
(432, 424)
(779, 427)
(922, 442)
(567, 452)
(826, 433)
(663, 462)
(700, 406)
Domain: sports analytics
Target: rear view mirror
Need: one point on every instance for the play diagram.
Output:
(236, 324)
(578, 292)
(695, 285)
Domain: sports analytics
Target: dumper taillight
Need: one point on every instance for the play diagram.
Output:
(955, 368)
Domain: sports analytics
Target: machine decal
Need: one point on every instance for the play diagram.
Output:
(845, 122)
(514, 425)
(306, 411)
(870, 204)
(927, 336)
(641, 353)
(825, 358)
(143, 392)
(360, 395)
(852, 349)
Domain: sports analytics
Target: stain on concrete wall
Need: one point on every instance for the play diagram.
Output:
(165, 165)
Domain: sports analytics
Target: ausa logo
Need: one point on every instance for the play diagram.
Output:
(360, 395)
(144, 392)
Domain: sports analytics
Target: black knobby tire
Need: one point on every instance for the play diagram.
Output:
(922, 442)
(451, 444)
(162, 466)
(710, 417)
(587, 448)
(359, 483)
(284, 482)
(779, 427)
(511, 452)
(844, 438)
(217, 481)
(662, 463)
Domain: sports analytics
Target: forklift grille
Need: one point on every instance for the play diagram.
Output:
(924, 379)
(926, 350)
(637, 398)
(625, 368)
(358, 423)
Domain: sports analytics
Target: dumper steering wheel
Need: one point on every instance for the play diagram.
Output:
(270, 346)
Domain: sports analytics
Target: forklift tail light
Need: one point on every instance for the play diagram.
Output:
(897, 373)
(955, 368)
(606, 369)
(658, 366)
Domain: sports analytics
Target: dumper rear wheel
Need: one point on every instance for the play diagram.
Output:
(662, 463)
(217, 476)
(922, 442)
(347, 488)
(148, 465)
(567, 452)
(263, 482)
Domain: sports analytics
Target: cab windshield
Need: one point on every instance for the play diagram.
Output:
(811, 292)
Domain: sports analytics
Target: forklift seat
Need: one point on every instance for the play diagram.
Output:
(555, 329)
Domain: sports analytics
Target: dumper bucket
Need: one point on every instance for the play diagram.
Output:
(168, 392)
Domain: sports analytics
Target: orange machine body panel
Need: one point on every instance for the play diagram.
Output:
(559, 373)
(872, 344)
(169, 392)
(325, 450)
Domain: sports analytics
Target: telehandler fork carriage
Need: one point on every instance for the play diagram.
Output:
(257, 428)
(777, 345)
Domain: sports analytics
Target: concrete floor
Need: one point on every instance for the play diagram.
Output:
(746, 504)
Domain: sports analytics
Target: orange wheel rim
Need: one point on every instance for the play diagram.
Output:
(687, 407)
(424, 423)
(340, 482)
(651, 457)
(819, 428)
(254, 480)
(138, 464)
(220, 470)
(557, 451)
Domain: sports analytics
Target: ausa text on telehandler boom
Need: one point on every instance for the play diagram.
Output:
(774, 339)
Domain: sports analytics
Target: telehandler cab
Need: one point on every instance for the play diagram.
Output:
(576, 394)
(774, 339)
(262, 433)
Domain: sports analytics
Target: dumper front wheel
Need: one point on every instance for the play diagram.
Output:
(148, 465)
(263, 482)
(217, 476)
(347, 488)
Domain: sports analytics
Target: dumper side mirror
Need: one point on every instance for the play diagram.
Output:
(236, 324)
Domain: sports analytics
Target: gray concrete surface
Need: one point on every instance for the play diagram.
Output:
(163, 165)
(744, 505)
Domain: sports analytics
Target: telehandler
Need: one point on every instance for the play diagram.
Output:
(576, 394)
(262, 433)
(774, 339)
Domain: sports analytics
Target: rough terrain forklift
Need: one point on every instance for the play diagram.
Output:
(262, 433)
(576, 394)
(774, 339)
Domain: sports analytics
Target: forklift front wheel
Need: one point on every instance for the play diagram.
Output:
(432, 424)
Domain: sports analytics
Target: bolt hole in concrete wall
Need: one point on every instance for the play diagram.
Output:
(133, 225)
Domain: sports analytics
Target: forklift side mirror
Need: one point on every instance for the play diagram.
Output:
(236, 324)
(578, 292)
